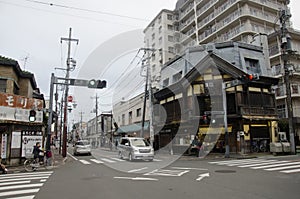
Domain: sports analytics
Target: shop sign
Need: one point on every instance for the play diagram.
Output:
(18, 114)
(17, 101)
(29, 139)
(3, 146)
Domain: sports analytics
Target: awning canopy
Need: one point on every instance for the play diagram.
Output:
(133, 127)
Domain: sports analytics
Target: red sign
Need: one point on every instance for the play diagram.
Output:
(17, 101)
(70, 98)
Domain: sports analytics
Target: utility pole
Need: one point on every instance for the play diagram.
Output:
(81, 113)
(65, 129)
(96, 111)
(286, 49)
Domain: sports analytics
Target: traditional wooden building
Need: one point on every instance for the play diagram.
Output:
(191, 102)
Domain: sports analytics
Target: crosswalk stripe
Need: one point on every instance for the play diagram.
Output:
(250, 162)
(25, 178)
(27, 173)
(97, 161)
(108, 160)
(21, 186)
(118, 159)
(238, 162)
(84, 162)
(275, 165)
(9, 193)
(23, 197)
(283, 168)
(291, 171)
(17, 176)
(157, 160)
(13, 183)
(261, 164)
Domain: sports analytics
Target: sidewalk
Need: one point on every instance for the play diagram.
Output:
(57, 159)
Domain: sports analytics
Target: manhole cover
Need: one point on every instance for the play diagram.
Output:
(225, 171)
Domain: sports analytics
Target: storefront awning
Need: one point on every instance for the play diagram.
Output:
(133, 127)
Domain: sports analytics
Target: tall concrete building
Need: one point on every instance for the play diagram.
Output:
(208, 21)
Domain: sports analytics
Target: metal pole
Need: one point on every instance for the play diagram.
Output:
(225, 120)
(50, 112)
(145, 100)
(97, 119)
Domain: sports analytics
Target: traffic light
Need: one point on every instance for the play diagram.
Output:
(97, 84)
(32, 114)
(249, 77)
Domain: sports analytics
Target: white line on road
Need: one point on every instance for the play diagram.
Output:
(108, 160)
(72, 156)
(175, 173)
(291, 171)
(97, 161)
(23, 197)
(9, 193)
(157, 160)
(25, 178)
(84, 162)
(136, 170)
(43, 180)
(137, 178)
(20, 176)
(21, 186)
(26, 174)
(275, 165)
(283, 168)
(261, 164)
(118, 159)
(13, 183)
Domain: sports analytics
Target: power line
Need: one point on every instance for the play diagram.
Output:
(86, 10)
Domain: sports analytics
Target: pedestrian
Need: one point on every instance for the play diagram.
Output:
(3, 169)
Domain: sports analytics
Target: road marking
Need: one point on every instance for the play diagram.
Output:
(108, 160)
(18, 176)
(27, 173)
(9, 193)
(175, 173)
(261, 164)
(249, 162)
(72, 156)
(157, 160)
(291, 171)
(201, 176)
(97, 161)
(84, 162)
(137, 178)
(283, 168)
(23, 197)
(275, 165)
(187, 168)
(43, 180)
(136, 170)
(21, 186)
(118, 159)
(13, 183)
(25, 178)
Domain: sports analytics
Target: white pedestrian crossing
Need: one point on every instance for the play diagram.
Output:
(22, 185)
(283, 166)
(103, 160)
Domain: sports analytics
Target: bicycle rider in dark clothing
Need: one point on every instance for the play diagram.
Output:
(36, 152)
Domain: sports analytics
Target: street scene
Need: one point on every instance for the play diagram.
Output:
(158, 99)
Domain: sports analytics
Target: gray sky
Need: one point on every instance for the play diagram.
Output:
(32, 29)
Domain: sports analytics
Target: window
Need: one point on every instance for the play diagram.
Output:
(170, 17)
(139, 112)
(130, 117)
(160, 29)
(153, 56)
(3, 85)
(295, 89)
(170, 38)
(252, 65)
(165, 82)
(123, 119)
(159, 19)
(177, 76)
(170, 27)
(153, 36)
(171, 49)
(160, 40)
(153, 68)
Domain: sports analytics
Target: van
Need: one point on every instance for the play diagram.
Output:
(135, 148)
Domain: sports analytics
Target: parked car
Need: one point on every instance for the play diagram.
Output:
(82, 147)
(135, 148)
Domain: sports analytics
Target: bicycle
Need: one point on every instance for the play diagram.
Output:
(31, 164)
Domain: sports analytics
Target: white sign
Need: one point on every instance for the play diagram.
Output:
(28, 141)
(3, 146)
(18, 114)
(16, 140)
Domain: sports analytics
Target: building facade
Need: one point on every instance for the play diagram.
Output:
(19, 95)
(194, 104)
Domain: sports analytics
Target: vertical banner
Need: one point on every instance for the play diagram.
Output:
(3, 146)
(29, 139)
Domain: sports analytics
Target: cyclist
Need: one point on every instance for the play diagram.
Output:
(36, 152)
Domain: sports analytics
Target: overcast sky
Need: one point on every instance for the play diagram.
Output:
(33, 28)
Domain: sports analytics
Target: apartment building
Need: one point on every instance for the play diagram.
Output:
(159, 36)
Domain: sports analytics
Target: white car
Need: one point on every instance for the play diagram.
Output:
(82, 147)
(135, 148)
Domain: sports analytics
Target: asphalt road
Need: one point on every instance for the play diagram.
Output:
(103, 176)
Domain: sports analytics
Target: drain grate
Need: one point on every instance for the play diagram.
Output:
(225, 171)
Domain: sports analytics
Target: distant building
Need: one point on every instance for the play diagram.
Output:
(18, 95)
